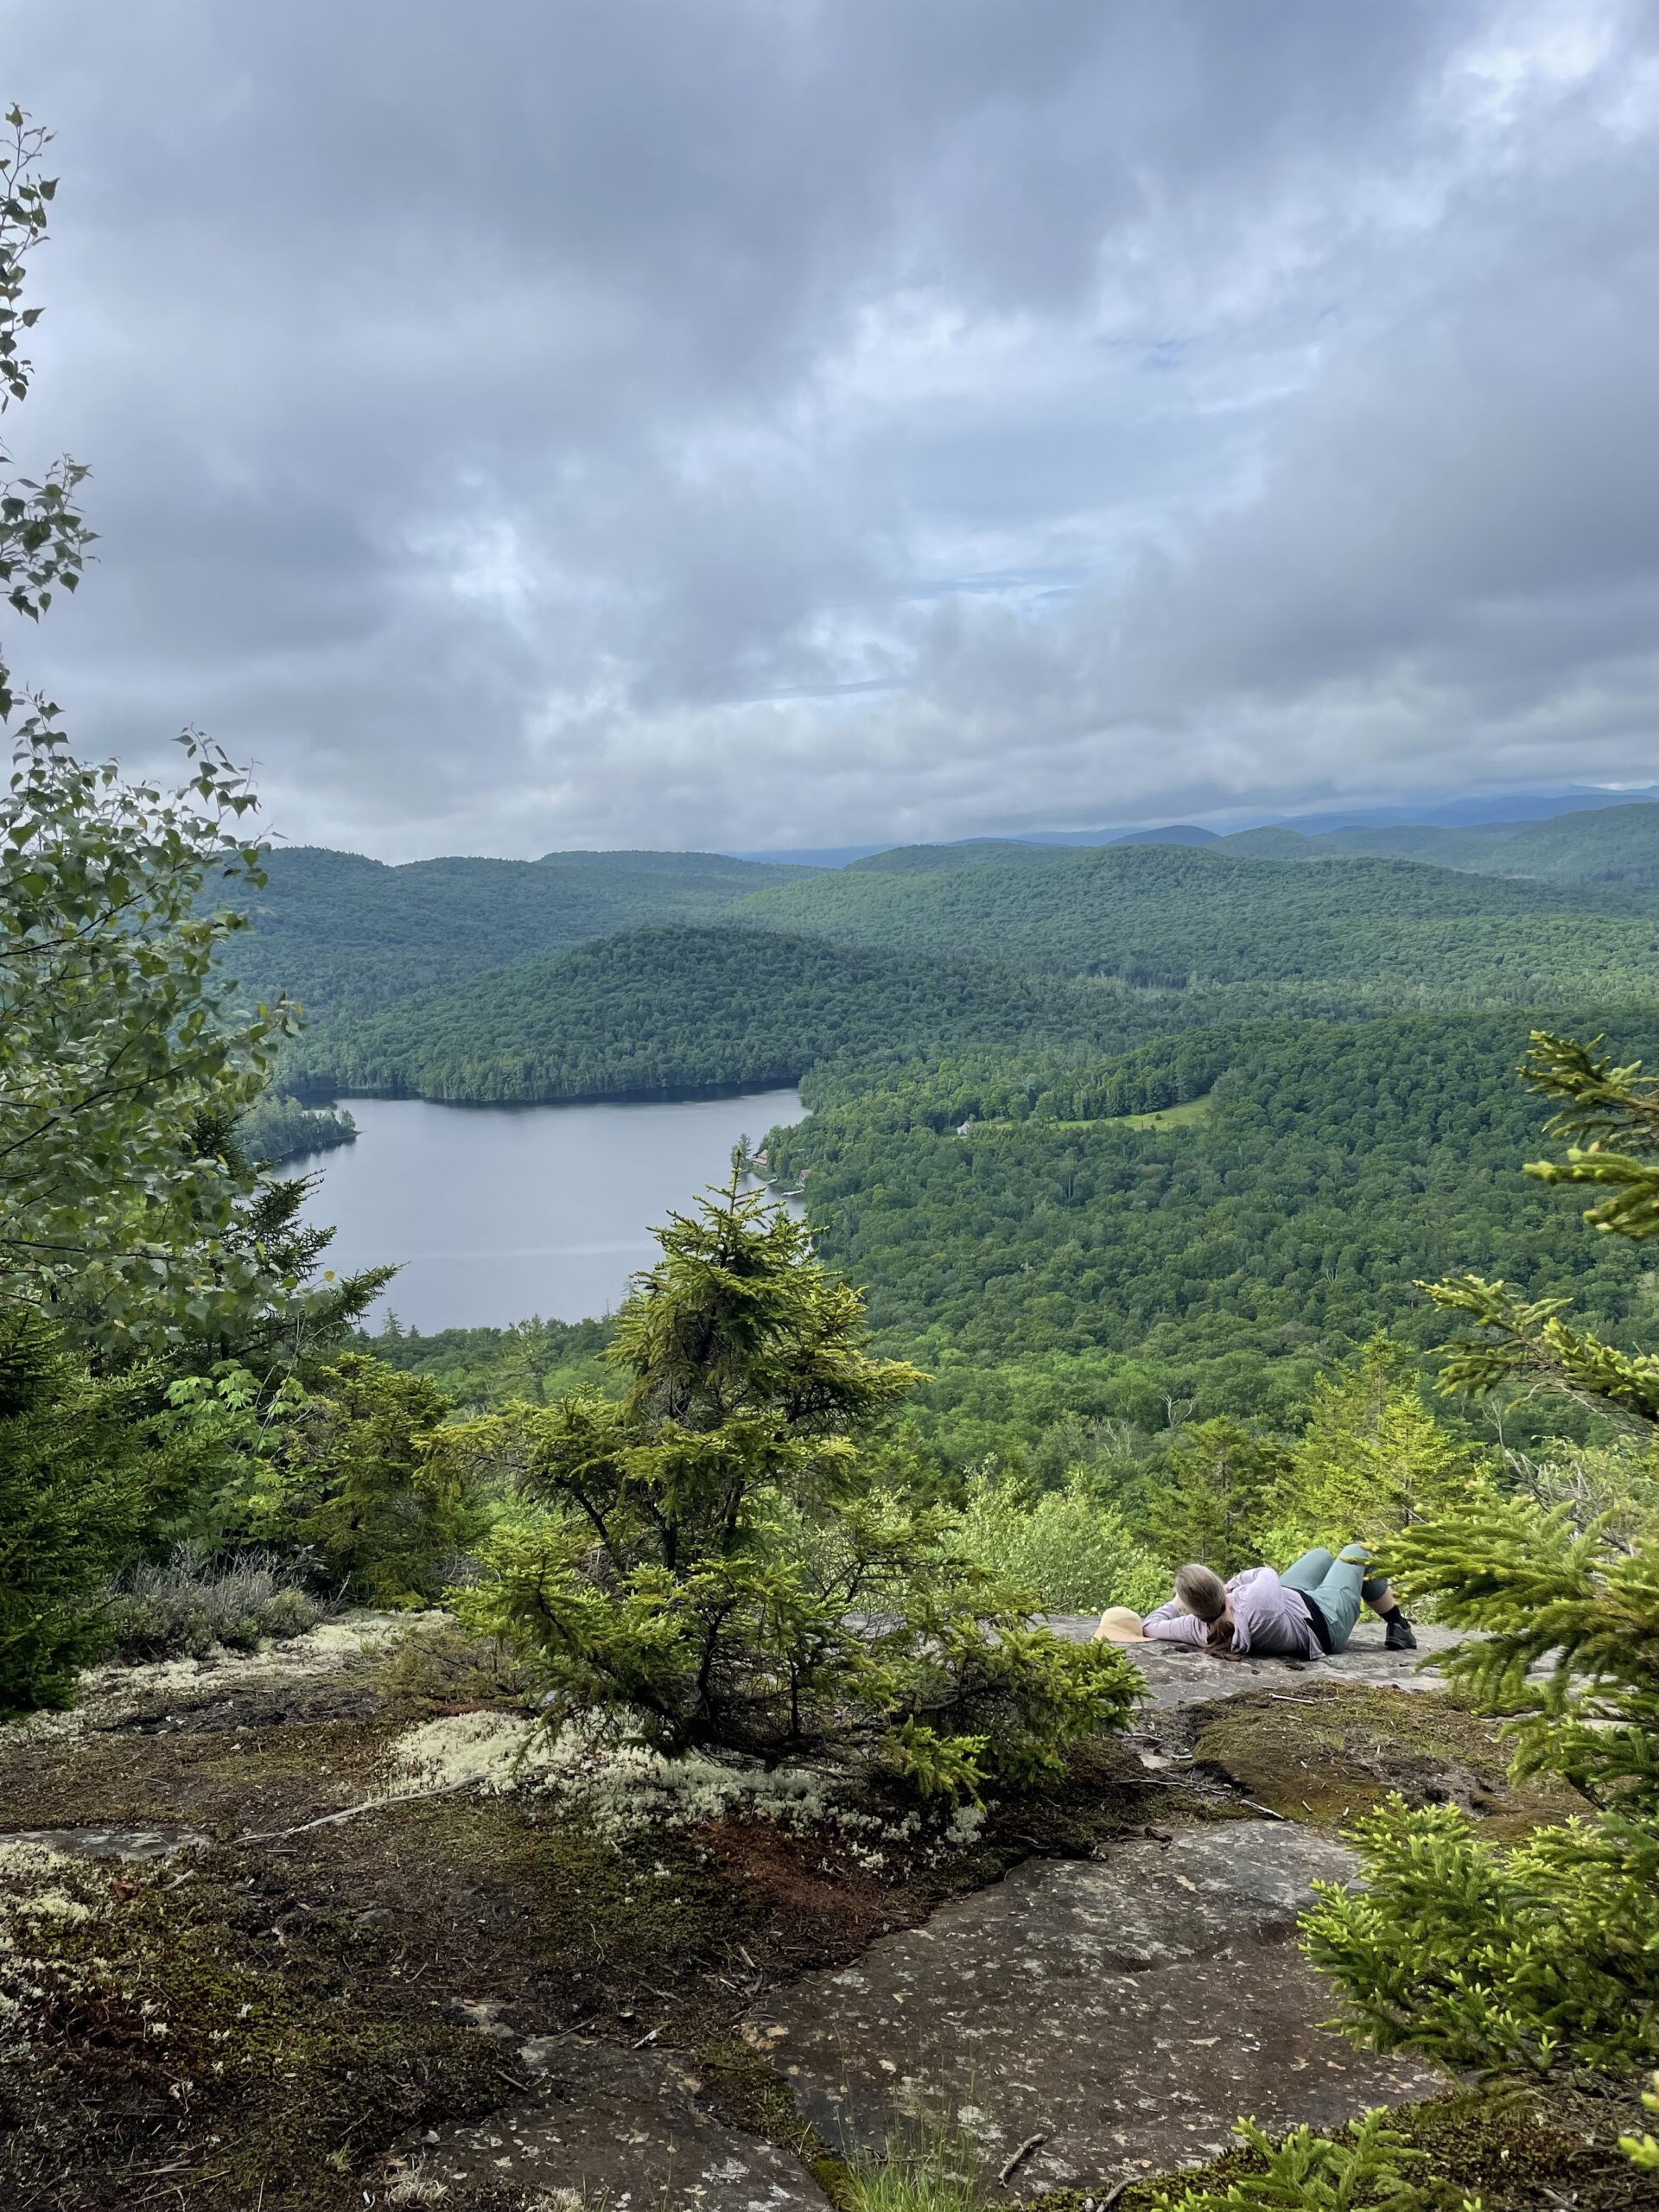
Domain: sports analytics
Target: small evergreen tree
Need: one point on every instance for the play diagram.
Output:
(1210, 1499)
(1615, 1111)
(1547, 1952)
(307, 1311)
(82, 1471)
(714, 1556)
(363, 1481)
(1372, 1460)
(1370, 2167)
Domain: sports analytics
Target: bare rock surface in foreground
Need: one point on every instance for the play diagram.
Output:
(618, 2128)
(1178, 1673)
(1127, 2009)
(137, 1845)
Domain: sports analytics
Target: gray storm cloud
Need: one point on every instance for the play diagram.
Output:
(771, 422)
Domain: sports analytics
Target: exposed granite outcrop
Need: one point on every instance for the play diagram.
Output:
(1127, 2009)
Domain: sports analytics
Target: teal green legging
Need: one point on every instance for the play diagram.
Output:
(1337, 1586)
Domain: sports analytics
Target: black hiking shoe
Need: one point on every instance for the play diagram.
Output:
(1399, 1637)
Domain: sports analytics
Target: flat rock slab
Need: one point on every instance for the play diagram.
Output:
(618, 2128)
(1128, 2008)
(1178, 1673)
(135, 1844)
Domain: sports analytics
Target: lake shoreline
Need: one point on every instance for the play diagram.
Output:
(677, 1095)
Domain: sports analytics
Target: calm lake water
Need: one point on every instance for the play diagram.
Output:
(497, 1213)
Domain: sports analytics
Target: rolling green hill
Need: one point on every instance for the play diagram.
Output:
(1336, 1164)
(675, 1009)
(348, 935)
(1609, 844)
(336, 930)
(425, 987)
(1167, 916)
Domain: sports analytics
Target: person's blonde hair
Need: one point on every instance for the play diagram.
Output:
(1202, 1591)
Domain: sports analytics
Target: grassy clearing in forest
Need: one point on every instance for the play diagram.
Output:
(1192, 1114)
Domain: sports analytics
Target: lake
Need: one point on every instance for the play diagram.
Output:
(497, 1213)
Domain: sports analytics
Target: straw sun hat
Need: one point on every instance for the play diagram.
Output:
(1119, 1624)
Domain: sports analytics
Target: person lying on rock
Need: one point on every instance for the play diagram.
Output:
(1308, 1609)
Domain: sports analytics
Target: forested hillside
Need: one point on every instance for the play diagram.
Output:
(1609, 844)
(334, 929)
(1338, 1035)
(672, 1009)
(1168, 915)
(1335, 1165)
(926, 950)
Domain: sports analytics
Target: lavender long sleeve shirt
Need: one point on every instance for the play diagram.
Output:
(1267, 1619)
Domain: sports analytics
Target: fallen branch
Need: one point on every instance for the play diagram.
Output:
(1012, 2165)
(1186, 1789)
(350, 1812)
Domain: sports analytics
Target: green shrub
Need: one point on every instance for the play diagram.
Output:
(286, 1613)
(712, 1555)
(186, 1607)
(1543, 1953)
(1368, 2168)
(1071, 1552)
(1547, 1952)
(81, 1471)
(359, 1480)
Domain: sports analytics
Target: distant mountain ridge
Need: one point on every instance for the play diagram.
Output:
(337, 930)
(1165, 916)
(1465, 811)
(1611, 845)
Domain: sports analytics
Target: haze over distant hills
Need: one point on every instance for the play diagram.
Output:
(593, 974)
(1609, 844)
(1509, 809)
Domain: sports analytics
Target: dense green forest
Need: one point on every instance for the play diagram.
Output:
(673, 1009)
(1336, 1164)
(1608, 844)
(925, 949)
(334, 930)
(1340, 1036)
(1168, 915)
(1072, 1257)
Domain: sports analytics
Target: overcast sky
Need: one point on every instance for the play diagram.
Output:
(535, 424)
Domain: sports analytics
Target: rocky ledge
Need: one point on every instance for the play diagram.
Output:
(248, 1964)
